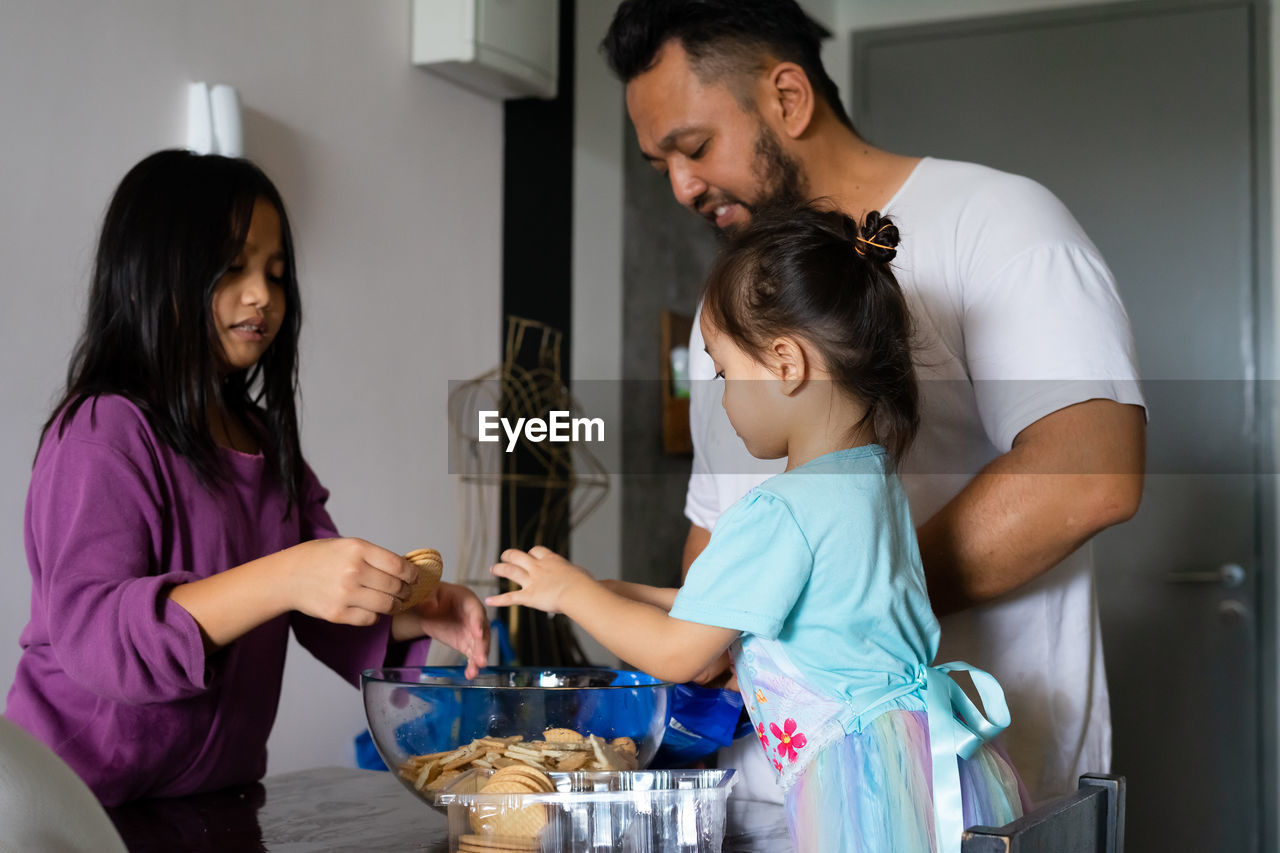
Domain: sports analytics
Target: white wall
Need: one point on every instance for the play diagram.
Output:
(393, 179)
(599, 133)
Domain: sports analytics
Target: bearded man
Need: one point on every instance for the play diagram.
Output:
(1032, 422)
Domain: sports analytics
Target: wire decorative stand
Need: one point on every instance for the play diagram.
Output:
(543, 490)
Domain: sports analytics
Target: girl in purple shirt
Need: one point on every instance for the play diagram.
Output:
(174, 533)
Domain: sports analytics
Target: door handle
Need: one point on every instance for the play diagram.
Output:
(1229, 576)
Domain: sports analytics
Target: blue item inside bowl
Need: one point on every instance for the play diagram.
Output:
(420, 710)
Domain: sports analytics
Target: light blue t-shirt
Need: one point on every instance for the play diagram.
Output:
(824, 559)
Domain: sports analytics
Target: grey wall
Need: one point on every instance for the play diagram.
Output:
(598, 184)
(667, 252)
(393, 179)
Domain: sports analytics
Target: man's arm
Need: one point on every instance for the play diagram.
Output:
(1068, 476)
(693, 544)
(717, 674)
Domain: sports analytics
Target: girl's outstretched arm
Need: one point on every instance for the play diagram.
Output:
(345, 581)
(638, 632)
(661, 597)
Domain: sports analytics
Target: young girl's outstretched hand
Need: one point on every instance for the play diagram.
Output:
(454, 616)
(544, 577)
(633, 626)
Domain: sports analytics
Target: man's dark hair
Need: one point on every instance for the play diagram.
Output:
(721, 37)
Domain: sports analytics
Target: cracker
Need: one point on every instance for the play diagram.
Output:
(561, 736)
(509, 786)
(443, 780)
(497, 842)
(523, 752)
(606, 757)
(624, 744)
(427, 774)
(522, 773)
(498, 819)
(466, 756)
(430, 569)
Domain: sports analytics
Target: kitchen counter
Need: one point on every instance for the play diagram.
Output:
(339, 809)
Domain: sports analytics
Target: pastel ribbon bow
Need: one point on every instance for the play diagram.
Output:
(957, 728)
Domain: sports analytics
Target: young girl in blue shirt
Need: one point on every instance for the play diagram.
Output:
(813, 580)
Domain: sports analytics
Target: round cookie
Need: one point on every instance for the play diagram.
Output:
(430, 569)
(519, 821)
(523, 772)
(495, 843)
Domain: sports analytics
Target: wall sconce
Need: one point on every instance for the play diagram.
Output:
(213, 120)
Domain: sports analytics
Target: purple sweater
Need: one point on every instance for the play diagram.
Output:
(113, 675)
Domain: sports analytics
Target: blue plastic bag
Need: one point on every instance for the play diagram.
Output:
(700, 721)
(367, 757)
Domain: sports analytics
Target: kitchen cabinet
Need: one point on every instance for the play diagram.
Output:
(500, 48)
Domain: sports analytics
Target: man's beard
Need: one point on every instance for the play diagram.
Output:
(780, 177)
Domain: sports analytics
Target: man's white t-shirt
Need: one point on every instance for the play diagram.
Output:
(1016, 316)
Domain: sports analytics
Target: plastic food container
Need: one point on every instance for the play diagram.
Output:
(643, 811)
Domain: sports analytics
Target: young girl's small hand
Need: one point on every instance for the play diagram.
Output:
(543, 575)
(454, 616)
(347, 581)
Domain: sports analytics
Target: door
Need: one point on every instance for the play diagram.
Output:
(1141, 118)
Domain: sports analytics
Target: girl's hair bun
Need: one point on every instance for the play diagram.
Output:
(876, 238)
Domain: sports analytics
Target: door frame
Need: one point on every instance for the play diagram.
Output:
(1264, 331)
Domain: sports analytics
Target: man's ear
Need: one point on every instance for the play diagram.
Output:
(792, 93)
(790, 364)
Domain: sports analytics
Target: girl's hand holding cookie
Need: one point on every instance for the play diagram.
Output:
(453, 615)
(543, 575)
(347, 581)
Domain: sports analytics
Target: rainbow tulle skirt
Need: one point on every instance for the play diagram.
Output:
(873, 793)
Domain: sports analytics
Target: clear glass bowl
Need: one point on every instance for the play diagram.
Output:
(422, 710)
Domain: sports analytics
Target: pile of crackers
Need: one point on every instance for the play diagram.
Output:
(559, 751)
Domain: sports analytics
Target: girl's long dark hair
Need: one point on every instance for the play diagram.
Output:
(175, 224)
(820, 276)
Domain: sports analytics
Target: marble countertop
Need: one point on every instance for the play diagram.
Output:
(339, 809)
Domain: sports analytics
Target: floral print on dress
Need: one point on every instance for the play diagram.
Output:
(784, 705)
(788, 739)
